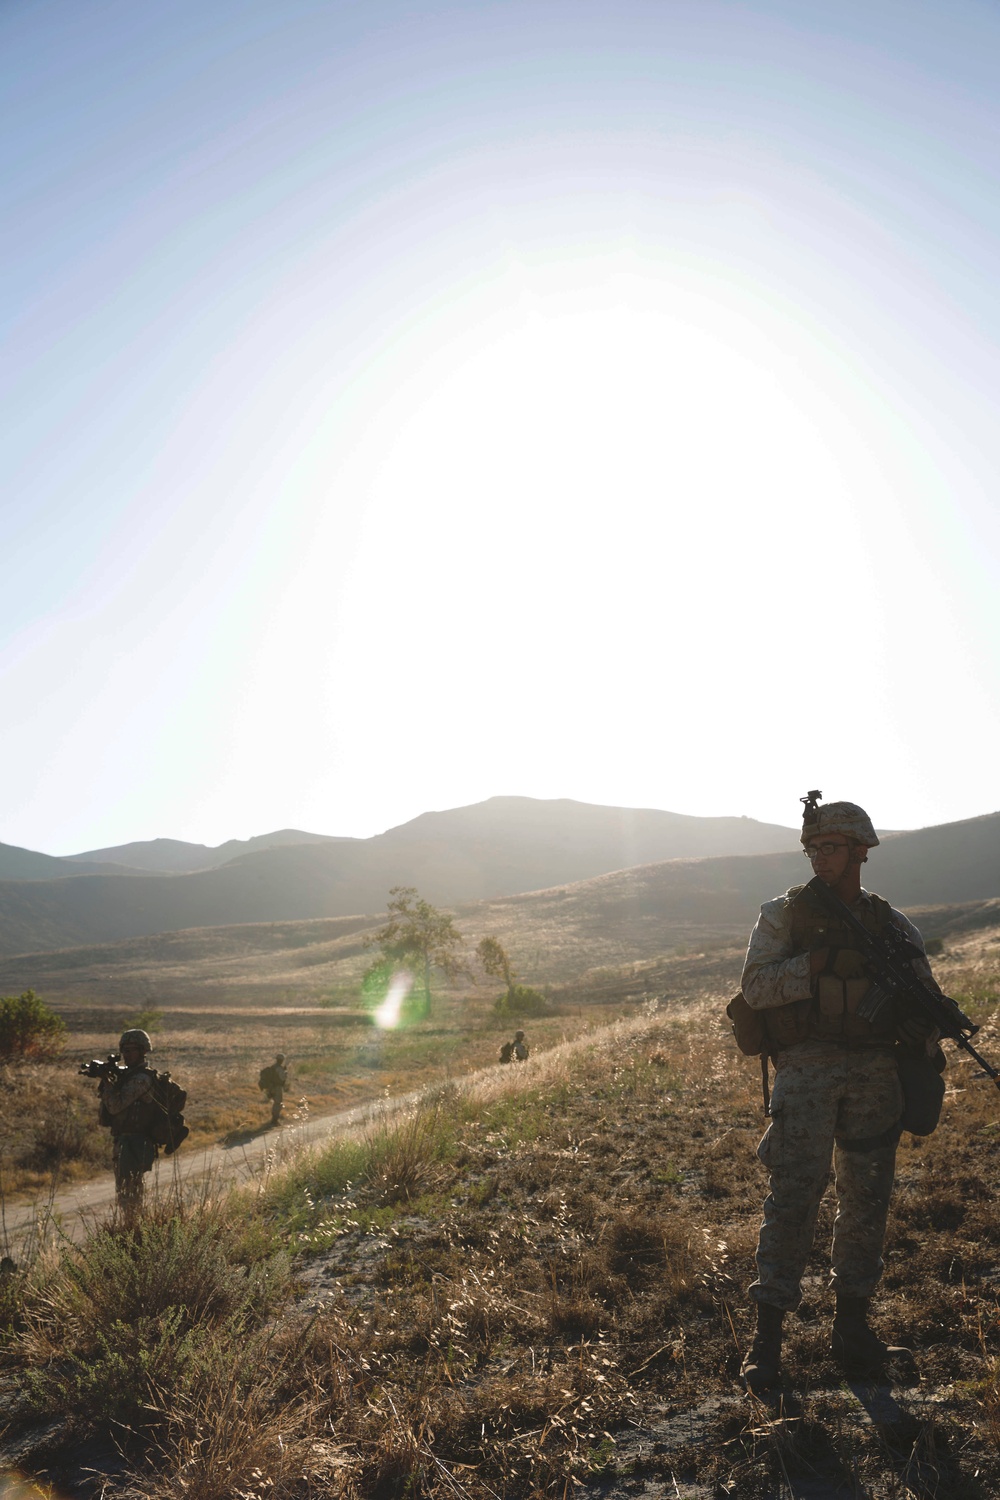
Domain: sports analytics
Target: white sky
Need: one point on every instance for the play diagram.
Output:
(418, 402)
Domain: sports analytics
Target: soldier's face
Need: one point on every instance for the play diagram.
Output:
(830, 855)
(132, 1055)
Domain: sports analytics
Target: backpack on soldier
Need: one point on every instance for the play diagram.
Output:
(165, 1125)
(507, 1052)
(268, 1079)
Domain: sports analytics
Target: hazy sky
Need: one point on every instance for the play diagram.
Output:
(412, 402)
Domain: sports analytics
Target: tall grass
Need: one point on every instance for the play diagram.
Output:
(498, 1285)
(144, 1323)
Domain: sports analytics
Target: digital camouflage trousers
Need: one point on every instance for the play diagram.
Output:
(827, 1104)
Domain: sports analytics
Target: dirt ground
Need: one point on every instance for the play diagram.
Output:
(545, 1294)
(614, 1251)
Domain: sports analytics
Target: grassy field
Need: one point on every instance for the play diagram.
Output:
(336, 1058)
(203, 995)
(536, 1288)
(221, 1002)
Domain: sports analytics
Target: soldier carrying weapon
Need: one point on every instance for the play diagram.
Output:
(837, 991)
(141, 1108)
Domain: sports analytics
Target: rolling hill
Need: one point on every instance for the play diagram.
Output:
(523, 857)
(493, 848)
(688, 918)
(28, 864)
(174, 856)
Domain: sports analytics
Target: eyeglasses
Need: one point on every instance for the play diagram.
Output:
(815, 850)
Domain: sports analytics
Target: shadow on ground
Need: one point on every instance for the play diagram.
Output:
(246, 1134)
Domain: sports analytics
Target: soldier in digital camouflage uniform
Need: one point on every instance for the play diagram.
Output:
(836, 1094)
(125, 1109)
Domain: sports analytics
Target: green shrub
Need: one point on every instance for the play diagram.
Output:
(66, 1134)
(147, 1019)
(520, 1000)
(136, 1318)
(402, 1151)
(28, 1028)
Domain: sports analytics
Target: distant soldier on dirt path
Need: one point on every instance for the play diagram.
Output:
(837, 1091)
(273, 1080)
(126, 1105)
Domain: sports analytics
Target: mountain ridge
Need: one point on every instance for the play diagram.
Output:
(177, 856)
(492, 848)
(589, 932)
(498, 850)
(28, 864)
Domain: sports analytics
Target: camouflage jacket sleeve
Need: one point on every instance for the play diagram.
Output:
(116, 1097)
(921, 967)
(773, 973)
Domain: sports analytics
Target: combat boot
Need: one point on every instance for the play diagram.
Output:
(857, 1347)
(761, 1367)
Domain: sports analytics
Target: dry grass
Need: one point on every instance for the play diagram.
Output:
(336, 1060)
(527, 1289)
(552, 937)
(47, 1129)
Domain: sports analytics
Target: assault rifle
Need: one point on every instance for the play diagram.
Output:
(164, 1124)
(889, 962)
(101, 1067)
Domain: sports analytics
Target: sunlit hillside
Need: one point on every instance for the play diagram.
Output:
(659, 921)
(493, 848)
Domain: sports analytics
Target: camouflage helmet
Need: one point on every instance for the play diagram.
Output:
(518, 1036)
(839, 817)
(135, 1037)
(280, 1057)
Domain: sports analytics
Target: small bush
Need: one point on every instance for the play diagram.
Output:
(28, 1028)
(520, 1000)
(147, 1019)
(228, 1434)
(634, 1240)
(66, 1135)
(133, 1317)
(401, 1154)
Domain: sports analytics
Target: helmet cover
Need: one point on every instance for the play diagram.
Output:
(135, 1037)
(840, 817)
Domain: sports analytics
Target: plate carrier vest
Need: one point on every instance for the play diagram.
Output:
(830, 1014)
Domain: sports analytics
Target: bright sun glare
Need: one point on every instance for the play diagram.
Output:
(634, 437)
(575, 494)
(388, 1013)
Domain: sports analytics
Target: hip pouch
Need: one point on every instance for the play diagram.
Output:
(923, 1090)
(748, 1026)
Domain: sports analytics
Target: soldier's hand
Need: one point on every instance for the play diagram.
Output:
(818, 959)
(850, 964)
(912, 1027)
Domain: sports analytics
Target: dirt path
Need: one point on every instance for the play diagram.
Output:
(244, 1155)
